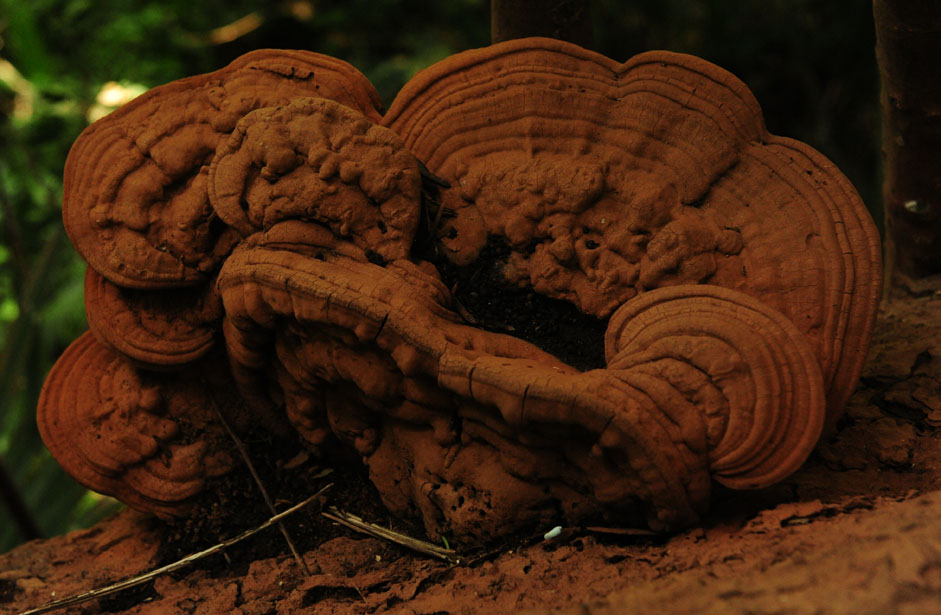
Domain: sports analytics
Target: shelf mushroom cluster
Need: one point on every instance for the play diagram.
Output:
(251, 238)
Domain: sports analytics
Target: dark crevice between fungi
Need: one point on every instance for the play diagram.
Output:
(8, 590)
(554, 325)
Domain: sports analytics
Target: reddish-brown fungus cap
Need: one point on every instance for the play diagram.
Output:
(155, 328)
(609, 179)
(121, 432)
(315, 159)
(760, 364)
(136, 205)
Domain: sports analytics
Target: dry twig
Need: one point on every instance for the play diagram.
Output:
(377, 531)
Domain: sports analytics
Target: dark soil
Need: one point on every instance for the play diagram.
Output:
(488, 301)
(232, 504)
(8, 590)
(484, 297)
(123, 600)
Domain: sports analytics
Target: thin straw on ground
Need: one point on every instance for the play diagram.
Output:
(261, 487)
(189, 559)
(356, 523)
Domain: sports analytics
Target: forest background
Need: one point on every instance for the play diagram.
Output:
(64, 63)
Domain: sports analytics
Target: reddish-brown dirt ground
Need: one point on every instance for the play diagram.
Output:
(857, 530)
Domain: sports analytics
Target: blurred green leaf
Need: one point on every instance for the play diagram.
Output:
(22, 33)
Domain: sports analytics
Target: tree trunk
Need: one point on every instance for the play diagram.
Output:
(908, 48)
(568, 20)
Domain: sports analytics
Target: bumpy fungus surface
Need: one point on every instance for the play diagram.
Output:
(137, 206)
(735, 273)
(148, 439)
(610, 179)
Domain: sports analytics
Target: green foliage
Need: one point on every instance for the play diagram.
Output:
(809, 63)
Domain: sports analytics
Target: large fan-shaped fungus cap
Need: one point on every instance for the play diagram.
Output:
(137, 202)
(136, 205)
(610, 179)
(316, 159)
(735, 275)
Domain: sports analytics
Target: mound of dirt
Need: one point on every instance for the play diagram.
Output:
(857, 530)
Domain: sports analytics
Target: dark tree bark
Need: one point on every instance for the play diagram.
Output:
(908, 48)
(568, 20)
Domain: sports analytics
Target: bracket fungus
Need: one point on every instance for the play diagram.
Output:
(728, 279)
